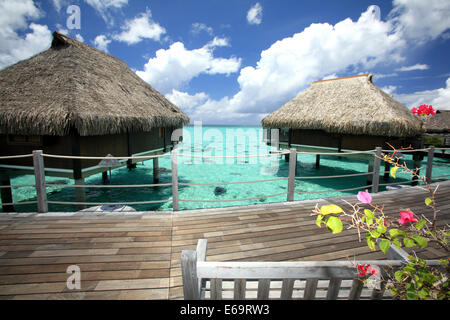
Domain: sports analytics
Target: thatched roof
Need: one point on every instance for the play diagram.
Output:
(74, 85)
(439, 123)
(350, 105)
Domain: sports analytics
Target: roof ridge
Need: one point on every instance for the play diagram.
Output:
(71, 41)
(368, 75)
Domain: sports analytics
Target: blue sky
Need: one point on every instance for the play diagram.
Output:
(235, 61)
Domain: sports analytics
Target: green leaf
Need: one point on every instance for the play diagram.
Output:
(319, 220)
(384, 245)
(428, 201)
(371, 242)
(411, 296)
(335, 224)
(369, 213)
(396, 232)
(397, 243)
(420, 224)
(393, 171)
(423, 293)
(375, 234)
(399, 275)
(330, 209)
(408, 242)
(381, 228)
(421, 241)
(369, 221)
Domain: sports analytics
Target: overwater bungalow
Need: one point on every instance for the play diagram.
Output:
(73, 99)
(438, 126)
(345, 113)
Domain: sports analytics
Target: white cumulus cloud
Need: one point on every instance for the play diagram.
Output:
(254, 15)
(323, 50)
(103, 7)
(421, 20)
(101, 42)
(414, 67)
(173, 67)
(438, 98)
(140, 28)
(15, 17)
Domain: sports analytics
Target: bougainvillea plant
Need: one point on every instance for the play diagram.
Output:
(424, 111)
(416, 280)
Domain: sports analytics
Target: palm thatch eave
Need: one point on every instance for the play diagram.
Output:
(72, 85)
(350, 105)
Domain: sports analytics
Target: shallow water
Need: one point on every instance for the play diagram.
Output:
(216, 141)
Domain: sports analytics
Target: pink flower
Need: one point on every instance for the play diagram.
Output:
(371, 270)
(407, 216)
(363, 270)
(364, 196)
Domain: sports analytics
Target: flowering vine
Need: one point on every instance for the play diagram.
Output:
(415, 280)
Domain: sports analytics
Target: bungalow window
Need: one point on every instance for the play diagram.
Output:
(161, 132)
(15, 139)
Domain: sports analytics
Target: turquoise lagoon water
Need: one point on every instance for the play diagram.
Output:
(215, 141)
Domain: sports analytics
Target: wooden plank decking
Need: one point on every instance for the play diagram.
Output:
(137, 255)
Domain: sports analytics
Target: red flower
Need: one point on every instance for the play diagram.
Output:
(424, 111)
(363, 270)
(406, 217)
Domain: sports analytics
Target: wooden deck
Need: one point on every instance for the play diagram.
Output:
(137, 255)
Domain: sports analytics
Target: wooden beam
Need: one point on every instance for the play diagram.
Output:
(39, 176)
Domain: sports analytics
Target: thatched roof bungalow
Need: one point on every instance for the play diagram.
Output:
(73, 99)
(439, 123)
(345, 113)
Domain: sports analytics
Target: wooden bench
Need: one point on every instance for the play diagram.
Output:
(281, 280)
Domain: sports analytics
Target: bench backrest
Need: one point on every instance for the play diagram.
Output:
(282, 280)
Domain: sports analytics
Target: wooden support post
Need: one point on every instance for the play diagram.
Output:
(105, 177)
(291, 179)
(376, 170)
(39, 176)
(80, 194)
(155, 170)
(6, 193)
(174, 180)
(430, 157)
(317, 161)
(189, 275)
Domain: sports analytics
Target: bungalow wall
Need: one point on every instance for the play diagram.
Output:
(101, 145)
(348, 141)
(322, 138)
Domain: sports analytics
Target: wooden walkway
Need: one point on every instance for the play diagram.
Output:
(137, 255)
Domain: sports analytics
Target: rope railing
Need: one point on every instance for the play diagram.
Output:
(107, 203)
(232, 157)
(233, 200)
(41, 185)
(233, 182)
(328, 191)
(336, 176)
(105, 158)
(16, 157)
(87, 186)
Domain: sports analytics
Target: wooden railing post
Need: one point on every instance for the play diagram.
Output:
(174, 180)
(376, 170)
(291, 179)
(39, 176)
(430, 157)
(189, 275)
